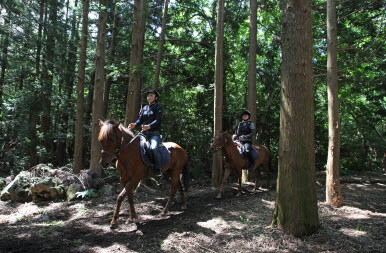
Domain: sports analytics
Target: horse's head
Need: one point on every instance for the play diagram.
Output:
(110, 136)
(220, 140)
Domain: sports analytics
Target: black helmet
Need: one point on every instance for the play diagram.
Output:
(246, 112)
(154, 92)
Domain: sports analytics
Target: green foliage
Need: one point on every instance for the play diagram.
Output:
(187, 77)
(91, 193)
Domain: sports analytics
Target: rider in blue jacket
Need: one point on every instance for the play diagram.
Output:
(150, 119)
(244, 134)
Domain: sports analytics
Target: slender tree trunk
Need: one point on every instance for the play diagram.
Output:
(251, 100)
(4, 55)
(97, 104)
(217, 169)
(296, 209)
(333, 189)
(113, 42)
(161, 44)
(47, 76)
(39, 42)
(134, 91)
(78, 149)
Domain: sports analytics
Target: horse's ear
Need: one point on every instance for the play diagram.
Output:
(116, 125)
(101, 123)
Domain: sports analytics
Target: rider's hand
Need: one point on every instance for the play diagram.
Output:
(131, 125)
(145, 127)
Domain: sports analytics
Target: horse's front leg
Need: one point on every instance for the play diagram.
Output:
(129, 192)
(121, 197)
(227, 172)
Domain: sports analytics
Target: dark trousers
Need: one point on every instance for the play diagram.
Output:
(251, 152)
(155, 140)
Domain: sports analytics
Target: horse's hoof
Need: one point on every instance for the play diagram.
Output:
(133, 219)
(113, 225)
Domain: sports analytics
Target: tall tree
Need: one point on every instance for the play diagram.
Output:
(217, 167)
(135, 76)
(110, 58)
(97, 104)
(4, 55)
(161, 44)
(78, 149)
(251, 100)
(333, 189)
(48, 74)
(296, 208)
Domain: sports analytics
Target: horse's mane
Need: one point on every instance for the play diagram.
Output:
(107, 129)
(228, 136)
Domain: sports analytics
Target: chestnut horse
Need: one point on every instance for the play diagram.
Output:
(120, 142)
(236, 162)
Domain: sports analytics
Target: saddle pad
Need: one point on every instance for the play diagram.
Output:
(147, 156)
(244, 154)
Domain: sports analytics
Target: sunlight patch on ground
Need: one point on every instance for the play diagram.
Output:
(219, 225)
(116, 247)
(269, 204)
(187, 242)
(358, 232)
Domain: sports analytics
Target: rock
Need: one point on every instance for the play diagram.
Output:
(18, 189)
(47, 188)
(106, 191)
(72, 190)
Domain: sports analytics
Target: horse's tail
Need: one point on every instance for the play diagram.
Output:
(186, 176)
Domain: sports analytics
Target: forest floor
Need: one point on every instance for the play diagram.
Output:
(231, 224)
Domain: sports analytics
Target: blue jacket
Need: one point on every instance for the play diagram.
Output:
(150, 115)
(245, 131)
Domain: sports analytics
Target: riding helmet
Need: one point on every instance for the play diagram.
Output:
(154, 92)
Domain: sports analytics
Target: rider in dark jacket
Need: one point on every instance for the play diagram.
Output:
(150, 118)
(244, 134)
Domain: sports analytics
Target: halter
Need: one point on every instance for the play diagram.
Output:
(117, 150)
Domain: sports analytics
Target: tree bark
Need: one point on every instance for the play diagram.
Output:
(39, 43)
(251, 100)
(4, 55)
(296, 208)
(78, 149)
(161, 44)
(333, 189)
(47, 76)
(97, 104)
(217, 167)
(113, 42)
(135, 77)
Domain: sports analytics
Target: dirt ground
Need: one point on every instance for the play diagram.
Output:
(232, 224)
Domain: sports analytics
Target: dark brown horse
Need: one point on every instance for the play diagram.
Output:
(236, 163)
(120, 142)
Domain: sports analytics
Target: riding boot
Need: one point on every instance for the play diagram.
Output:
(157, 162)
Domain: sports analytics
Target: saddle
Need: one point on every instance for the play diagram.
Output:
(248, 156)
(147, 156)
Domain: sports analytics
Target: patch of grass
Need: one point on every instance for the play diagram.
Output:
(358, 228)
(22, 219)
(78, 241)
(54, 225)
(246, 220)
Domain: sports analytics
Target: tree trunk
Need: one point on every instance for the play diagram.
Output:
(39, 43)
(113, 42)
(333, 189)
(134, 91)
(78, 149)
(4, 55)
(47, 76)
(251, 100)
(296, 209)
(161, 44)
(97, 104)
(217, 167)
